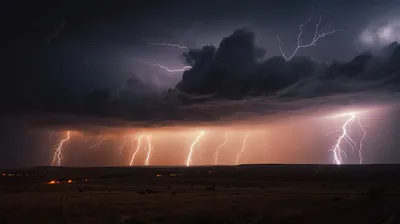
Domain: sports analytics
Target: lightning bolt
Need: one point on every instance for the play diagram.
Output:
(345, 136)
(317, 36)
(167, 69)
(137, 149)
(189, 158)
(243, 148)
(181, 47)
(121, 145)
(219, 147)
(361, 141)
(149, 150)
(99, 143)
(58, 150)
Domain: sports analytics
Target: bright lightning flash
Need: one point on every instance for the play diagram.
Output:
(219, 147)
(167, 69)
(149, 150)
(181, 47)
(137, 149)
(345, 137)
(317, 36)
(243, 148)
(58, 155)
(189, 158)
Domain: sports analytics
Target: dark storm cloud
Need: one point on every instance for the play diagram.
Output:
(238, 70)
(230, 82)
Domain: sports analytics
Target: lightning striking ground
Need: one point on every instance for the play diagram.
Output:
(181, 47)
(243, 148)
(317, 36)
(345, 137)
(361, 141)
(167, 69)
(189, 158)
(219, 147)
(58, 154)
(137, 149)
(149, 150)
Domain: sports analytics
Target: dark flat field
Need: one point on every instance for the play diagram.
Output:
(207, 194)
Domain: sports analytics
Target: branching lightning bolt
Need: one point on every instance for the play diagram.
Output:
(100, 142)
(169, 45)
(345, 136)
(219, 147)
(137, 149)
(58, 155)
(189, 158)
(149, 150)
(243, 148)
(167, 69)
(317, 36)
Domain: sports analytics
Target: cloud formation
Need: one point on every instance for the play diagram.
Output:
(230, 82)
(382, 33)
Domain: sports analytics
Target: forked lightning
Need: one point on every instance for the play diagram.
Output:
(100, 142)
(317, 36)
(58, 153)
(167, 69)
(337, 150)
(181, 47)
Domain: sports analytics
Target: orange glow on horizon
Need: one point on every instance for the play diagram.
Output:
(297, 139)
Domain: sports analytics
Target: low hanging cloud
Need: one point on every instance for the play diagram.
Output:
(233, 81)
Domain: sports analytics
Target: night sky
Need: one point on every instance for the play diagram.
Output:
(98, 71)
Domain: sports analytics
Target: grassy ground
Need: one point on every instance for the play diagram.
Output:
(267, 202)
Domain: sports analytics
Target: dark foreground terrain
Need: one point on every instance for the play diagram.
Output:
(223, 194)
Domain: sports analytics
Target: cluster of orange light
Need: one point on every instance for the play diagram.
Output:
(171, 175)
(53, 182)
(58, 182)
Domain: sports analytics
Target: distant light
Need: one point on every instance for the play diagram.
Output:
(53, 182)
(386, 33)
(367, 37)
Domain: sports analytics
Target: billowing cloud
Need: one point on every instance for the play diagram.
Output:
(231, 82)
(381, 33)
